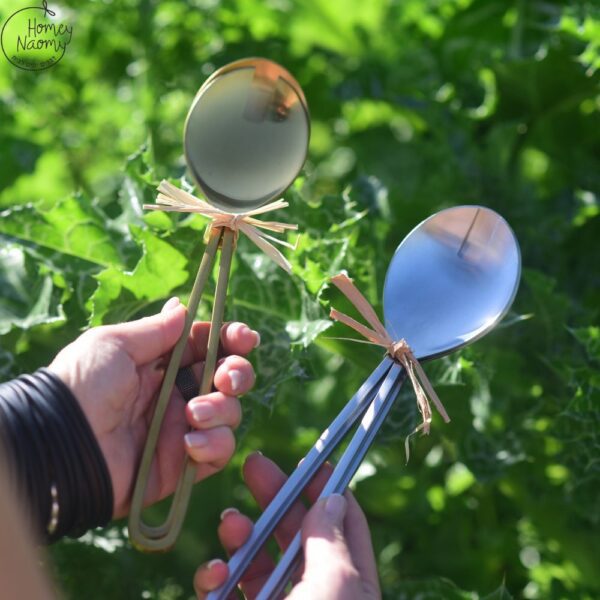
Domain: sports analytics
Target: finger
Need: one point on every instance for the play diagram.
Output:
(149, 338)
(213, 446)
(234, 376)
(209, 577)
(171, 303)
(213, 410)
(233, 531)
(264, 479)
(358, 537)
(236, 338)
(356, 530)
(317, 483)
(328, 561)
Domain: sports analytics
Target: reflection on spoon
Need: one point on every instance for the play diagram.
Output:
(269, 96)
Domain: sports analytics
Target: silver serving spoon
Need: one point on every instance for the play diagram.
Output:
(450, 281)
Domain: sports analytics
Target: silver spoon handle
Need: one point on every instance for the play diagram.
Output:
(301, 476)
(342, 475)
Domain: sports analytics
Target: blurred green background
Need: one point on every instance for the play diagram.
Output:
(416, 105)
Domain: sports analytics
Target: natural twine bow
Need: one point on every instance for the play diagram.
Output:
(174, 199)
(399, 350)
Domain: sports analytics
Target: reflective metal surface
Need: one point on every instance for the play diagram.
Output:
(246, 134)
(451, 280)
(290, 491)
(341, 477)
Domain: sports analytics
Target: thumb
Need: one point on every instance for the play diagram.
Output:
(328, 563)
(149, 338)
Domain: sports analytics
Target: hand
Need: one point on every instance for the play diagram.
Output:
(338, 555)
(115, 372)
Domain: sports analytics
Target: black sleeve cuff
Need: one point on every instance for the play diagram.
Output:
(54, 456)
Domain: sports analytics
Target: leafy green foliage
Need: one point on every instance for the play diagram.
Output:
(415, 106)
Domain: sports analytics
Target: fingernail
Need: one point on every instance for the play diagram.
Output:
(255, 453)
(213, 562)
(202, 411)
(229, 511)
(335, 508)
(257, 343)
(236, 328)
(170, 304)
(196, 439)
(236, 377)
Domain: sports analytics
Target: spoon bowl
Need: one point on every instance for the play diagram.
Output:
(451, 280)
(246, 134)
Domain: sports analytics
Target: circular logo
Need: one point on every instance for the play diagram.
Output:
(34, 39)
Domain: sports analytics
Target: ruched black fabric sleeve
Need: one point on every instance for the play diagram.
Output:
(53, 457)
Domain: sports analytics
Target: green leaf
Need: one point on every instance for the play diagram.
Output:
(590, 338)
(7, 361)
(16, 157)
(434, 588)
(71, 227)
(499, 594)
(30, 295)
(120, 295)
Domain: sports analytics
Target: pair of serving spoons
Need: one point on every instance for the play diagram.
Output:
(449, 283)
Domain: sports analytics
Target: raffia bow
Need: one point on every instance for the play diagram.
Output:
(399, 350)
(174, 199)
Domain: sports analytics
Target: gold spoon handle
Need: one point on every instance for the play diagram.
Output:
(162, 537)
